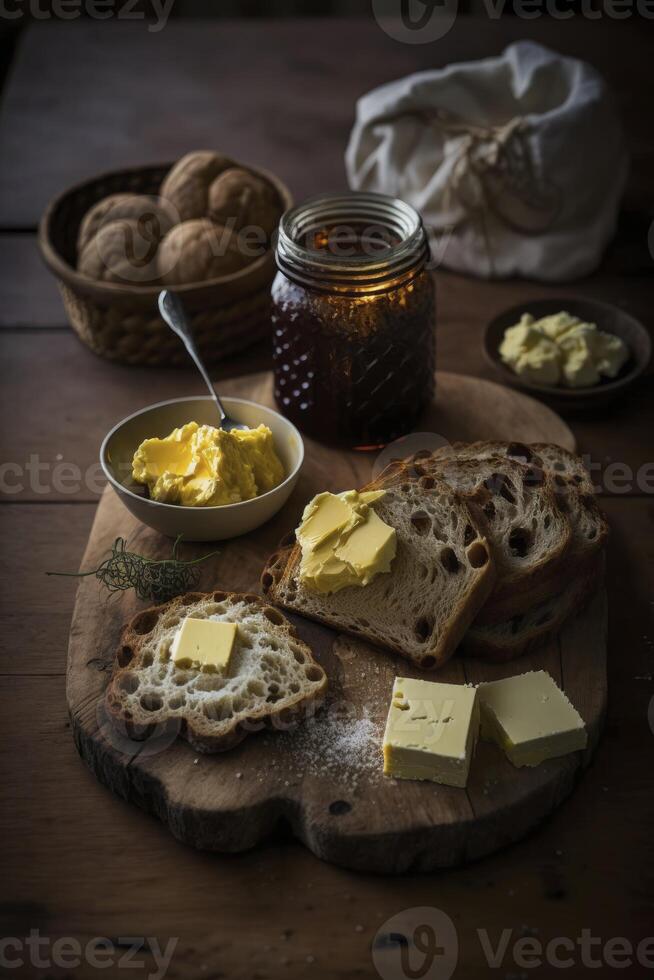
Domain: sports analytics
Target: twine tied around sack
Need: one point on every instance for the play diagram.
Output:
(493, 175)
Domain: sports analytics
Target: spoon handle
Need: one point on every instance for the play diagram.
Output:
(171, 309)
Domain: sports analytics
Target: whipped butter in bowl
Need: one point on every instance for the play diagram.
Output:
(574, 353)
(178, 473)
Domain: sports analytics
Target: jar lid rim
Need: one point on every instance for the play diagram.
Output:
(407, 254)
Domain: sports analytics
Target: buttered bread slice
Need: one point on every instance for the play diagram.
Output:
(214, 685)
(441, 575)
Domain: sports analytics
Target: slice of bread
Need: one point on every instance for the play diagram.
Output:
(441, 576)
(550, 457)
(505, 641)
(528, 532)
(272, 678)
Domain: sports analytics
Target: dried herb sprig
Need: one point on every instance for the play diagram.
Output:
(155, 579)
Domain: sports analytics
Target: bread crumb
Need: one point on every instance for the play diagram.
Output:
(239, 775)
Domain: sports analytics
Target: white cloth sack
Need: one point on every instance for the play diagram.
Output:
(517, 163)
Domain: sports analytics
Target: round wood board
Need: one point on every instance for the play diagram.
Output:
(324, 780)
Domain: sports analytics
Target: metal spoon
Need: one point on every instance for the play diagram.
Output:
(171, 309)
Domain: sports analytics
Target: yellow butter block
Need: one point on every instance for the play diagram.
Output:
(204, 643)
(530, 717)
(431, 731)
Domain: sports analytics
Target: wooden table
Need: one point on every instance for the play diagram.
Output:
(83, 97)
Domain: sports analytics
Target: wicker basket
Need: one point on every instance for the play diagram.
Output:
(122, 322)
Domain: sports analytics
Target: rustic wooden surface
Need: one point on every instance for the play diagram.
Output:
(347, 814)
(76, 860)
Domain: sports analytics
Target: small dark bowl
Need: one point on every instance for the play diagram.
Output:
(608, 318)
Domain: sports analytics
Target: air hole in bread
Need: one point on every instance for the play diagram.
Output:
(176, 702)
(421, 522)
(273, 616)
(577, 478)
(489, 510)
(256, 687)
(506, 489)
(219, 597)
(267, 581)
(147, 660)
(592, 533)
(251, 597)
(298, 654)
(469, 535)
(125, 655)
(145, 623)
(428, 662)
(190, 598)
(547, 520)
(519, 541)
(180, 679)
(534, 477)
(313, 673)
(518, 450)
(128, 683)
(559, 466)
(427, 482)
(273, 689)
(423, 628)
(295, 688)
(477, 555)
(151, 702)
(449, 561)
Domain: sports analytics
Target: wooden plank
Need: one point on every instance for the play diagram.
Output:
(29, 295)
(35, 610)
(279, 95)
(298, 907)
(67, 420)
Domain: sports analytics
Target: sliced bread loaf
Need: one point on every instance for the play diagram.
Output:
(501, 642)
(441, 576)
(552, 458)
(527, 530)
(272, 678)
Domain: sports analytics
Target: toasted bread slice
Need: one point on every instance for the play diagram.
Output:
(272, 677)
(441, 576)
(505, 641)
(527, 530)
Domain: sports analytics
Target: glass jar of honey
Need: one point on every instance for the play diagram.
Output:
(353, 319)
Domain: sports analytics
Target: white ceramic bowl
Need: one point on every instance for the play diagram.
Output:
(198, 523)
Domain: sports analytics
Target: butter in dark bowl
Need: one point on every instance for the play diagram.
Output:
(608, 319)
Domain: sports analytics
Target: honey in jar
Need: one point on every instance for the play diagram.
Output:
(353, 319)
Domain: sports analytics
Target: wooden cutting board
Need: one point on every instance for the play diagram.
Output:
(324, 781)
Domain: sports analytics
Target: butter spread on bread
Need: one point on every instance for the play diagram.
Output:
(344, 543)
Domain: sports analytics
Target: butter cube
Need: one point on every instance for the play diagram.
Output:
(431, 731)
(530, 718)
(204, 643)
